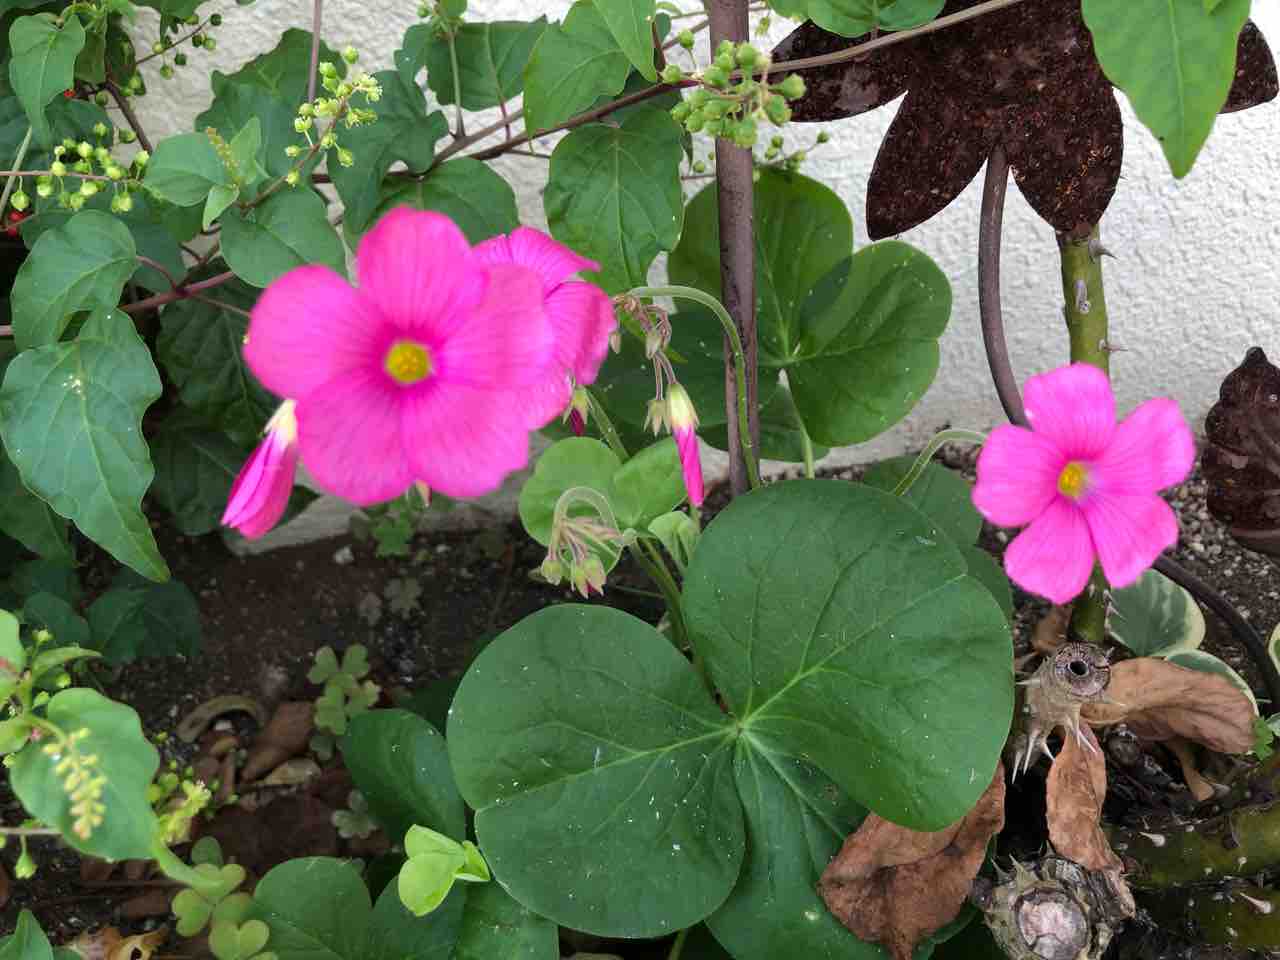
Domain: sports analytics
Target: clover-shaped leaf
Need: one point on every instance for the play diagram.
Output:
(355, 820)
(435, 862)
(230, 941)
(207, 850)
(326, 666)
(331, 710)
(194, 908)
(355, 662)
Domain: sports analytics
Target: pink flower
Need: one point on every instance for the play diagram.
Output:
(1084, 485)
(261, 491)
(581, 315)
(683, 421)
(417, 374)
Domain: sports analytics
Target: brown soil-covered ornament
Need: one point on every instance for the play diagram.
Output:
(1024, 78)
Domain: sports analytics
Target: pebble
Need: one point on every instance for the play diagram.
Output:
(345, 556)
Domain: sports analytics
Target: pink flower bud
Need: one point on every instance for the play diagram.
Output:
(261, 491)
(683, 420)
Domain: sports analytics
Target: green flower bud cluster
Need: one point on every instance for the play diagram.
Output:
(95, 167)
(443, 16)
(320, 116)
(734, 96)
(201, 37)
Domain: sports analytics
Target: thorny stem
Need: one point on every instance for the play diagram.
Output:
(607, 429)
(990, 223)
(739, 364)
(14, 174)
(317, 14)
(132, 118)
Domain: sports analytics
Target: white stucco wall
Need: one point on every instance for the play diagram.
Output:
(1195, 284)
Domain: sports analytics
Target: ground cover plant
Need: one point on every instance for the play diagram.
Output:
(827, 743)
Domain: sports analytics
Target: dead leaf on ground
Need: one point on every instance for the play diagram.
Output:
(1051, 632)
(896, 886)
(284, 737)
(1075, 789)
(1200, 788)
(201, 718)
(93, 870)
(1160, 700)
(108, 944)
(153, 903)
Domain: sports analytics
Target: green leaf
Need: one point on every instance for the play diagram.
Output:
(823, 605)
(631, 23)
(44, 576)
(220, 197)
(592, 754)
(491, 60)
(853, 18)
(495, 925)
(53, 613)
(124, 758)
(195, 469)
(72, 424)
(185, 168)
(1174, 60)
(1208, 663)
(147, 620)
(940, 494)
(614, 195)
(428, 875)
(648, 485)
(986, 569)
(400, 763)
(42, 64)
(1155, 617)
(244, 149)
(467, 191)
(13, 656)
(678, 532)
(231, 941)
(289, 229)
(238, 102)
(782, 433)
(28, 941)
(397, 934)
(29, 520)
(572, 462)
(283, 70)
(572, 65)
(796, 821)
(199, 347)
(82, 265)
(403, 131)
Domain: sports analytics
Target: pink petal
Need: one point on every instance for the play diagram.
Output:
(1074, 408)
(1054, 555)
(417, 267)
(506, 341)
(545, 401)
(1129, 532)
(1017, 476)
(576, 423)
(466, 440)
(261, 490)
(690, 464)
(307, 328)
(350, 436)
(1153, 448)
(552, 261)
(582, 317)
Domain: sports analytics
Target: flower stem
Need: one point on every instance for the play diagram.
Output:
(17, 165)
(922, 461)
(649, 558)
(739, 362)
(607, 429)
(1086, 315)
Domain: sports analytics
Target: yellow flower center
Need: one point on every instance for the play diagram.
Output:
(408, 362)
(1072, 480)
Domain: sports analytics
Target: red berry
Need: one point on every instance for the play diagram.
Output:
(69, 93)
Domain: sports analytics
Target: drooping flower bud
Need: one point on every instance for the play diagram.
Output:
(683, 421)
(261, 491)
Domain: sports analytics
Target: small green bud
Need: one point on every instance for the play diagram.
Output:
(292, 150)
(121, 203)
(197, 40)
(166, 71)
(716, 109)
(88, 188)
(345, 157)
(771, 153)
(127, 136)
(747, 55)
(140, 159)
(68, 144)
(699, 166)
(215, 20)
(695, 123)
(20, 200)
(823, 136)
(672, 74)
(58, 168)
(775, 142)
(135, 83)
(25, 867)
(85, 149)
(685, 39)
(327, 69)
(180, 59)
(744, 135)
(291, 178)
(157, 47)
(424, 10)
(725, 62)
(713, 76)
(44, 190)
(552, 570)
(680, 112)
(306, 110)
(101, 98)
(59, 150)
(776, 110)
(102, 155)
(343, 90)
(75, 200)
(210, 43)
(699, 98)
(302, 124)
(792, 87)
(328, 141)
(350, 54)
(724, 46)
(713, 127)
(114, 172)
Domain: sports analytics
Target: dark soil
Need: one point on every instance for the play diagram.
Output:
(421, 617)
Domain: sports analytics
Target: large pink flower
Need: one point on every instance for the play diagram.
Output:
(1084, 485)
(581, 315)
(417, 374)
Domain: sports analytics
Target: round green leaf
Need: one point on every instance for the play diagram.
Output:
(28, 941)
(940, 494)
(491, 60)
(495, 925)
(289, 229)
(72, 424)
(648, 485)
(838, 626)
(396, 934)
(470, 193)
(613, 194)
(1156, 617)
(599, 770)
(426, 879)
(125, 758)
(400, 764)
(568, 463)
(81, 265)
(987, 570)
(184, 169)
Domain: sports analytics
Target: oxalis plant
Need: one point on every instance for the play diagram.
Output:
(805, 756)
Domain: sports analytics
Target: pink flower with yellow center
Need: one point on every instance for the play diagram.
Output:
(581, 316)
(1084, 486)
(261, 491)
(415, 375)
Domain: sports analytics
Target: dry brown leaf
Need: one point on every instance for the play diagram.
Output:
(201, 718)
(108, 944)
(293, 772)
(93, 870)
(1200, 788)
(1051, 632)
(1075, 789)
(895, 886)
(1160, 700)
(153, 903)
(286, 736)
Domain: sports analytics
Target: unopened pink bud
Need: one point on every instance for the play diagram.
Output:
(261, 491)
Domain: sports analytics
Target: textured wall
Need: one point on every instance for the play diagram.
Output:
(1195, 283)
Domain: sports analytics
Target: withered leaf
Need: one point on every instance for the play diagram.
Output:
(1075, 789)
(896, 886)
(1242, 461)
(283, 738)
(109, 944)
(1159, 700)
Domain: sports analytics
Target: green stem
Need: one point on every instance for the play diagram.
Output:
(457, 84)
(1086, 316)
(677, 945)
(607, 429)
(17, 165)
(922, 461)
(175, 869)
(649, 558)
(29, 832)
(739, 362)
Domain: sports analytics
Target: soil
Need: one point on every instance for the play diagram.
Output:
(420, 617)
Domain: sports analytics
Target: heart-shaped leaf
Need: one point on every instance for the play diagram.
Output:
(940, 494)
(42, 63)
(572, 65)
